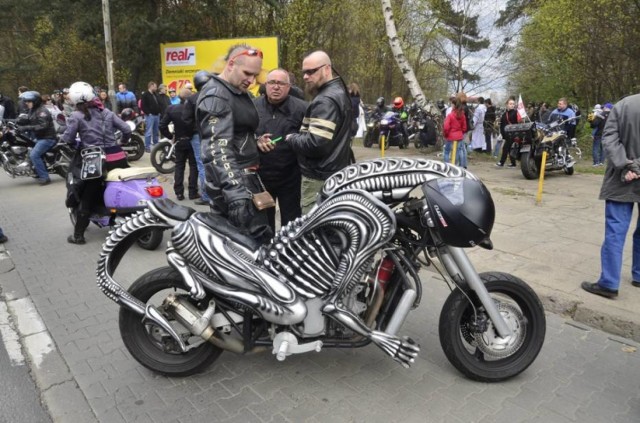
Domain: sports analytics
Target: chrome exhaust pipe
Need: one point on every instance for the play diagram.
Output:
(402, 310)
(199, 323)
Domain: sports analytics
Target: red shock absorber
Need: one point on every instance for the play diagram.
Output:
(385, 270)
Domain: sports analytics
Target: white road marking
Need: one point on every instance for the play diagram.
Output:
(10, 338)
(30, 325)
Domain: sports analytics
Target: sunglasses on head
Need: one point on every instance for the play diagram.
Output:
(249, 52)
(310, 72)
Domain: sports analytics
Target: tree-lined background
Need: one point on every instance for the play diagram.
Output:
(588, 50)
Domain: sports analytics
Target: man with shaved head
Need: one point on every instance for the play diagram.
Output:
(323, 145)
(227, 121)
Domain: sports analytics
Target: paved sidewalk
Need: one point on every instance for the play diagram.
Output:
(86, 375)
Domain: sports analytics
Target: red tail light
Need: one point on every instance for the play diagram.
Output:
(155, 191)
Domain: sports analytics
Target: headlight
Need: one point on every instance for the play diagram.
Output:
(131, 125)
(384, 122)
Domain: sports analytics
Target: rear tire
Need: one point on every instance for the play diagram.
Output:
(160, 159)
(151, 240)
(149, 344)
(486, 357)
(569, 170)
(137, 153)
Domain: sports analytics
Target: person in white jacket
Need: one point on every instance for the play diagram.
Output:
(478, 142)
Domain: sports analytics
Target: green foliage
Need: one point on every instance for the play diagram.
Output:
(586, 50)
(48, 45)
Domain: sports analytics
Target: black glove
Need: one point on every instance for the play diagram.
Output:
(240, 212)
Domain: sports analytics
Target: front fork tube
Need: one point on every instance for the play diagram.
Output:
(458, 265)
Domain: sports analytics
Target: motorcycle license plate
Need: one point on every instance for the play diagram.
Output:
(525, 148)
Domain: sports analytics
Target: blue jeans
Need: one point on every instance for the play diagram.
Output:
(461, 153)
(41, 147)
(195, 144)
(617, 221)
(597, 150)
(151, 130)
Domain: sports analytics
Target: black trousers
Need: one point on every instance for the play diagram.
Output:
(506, 148)
(487, 139)
(184, 154)
(287, 192)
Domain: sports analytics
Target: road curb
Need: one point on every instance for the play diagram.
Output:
(578, 311)
(59, 392)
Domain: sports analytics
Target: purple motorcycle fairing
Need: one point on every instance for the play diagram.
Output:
(128, 196)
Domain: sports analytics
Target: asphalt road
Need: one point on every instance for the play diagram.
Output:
(581, 375)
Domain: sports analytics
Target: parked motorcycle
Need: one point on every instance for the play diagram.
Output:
(391, 132)
(373, 131)
(15, 149)
(533, 138)
(163, 156)
(126, 193)
(134, 147)
(345, 275)
(423, 131)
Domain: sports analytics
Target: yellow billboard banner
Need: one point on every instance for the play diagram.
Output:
(180, 61)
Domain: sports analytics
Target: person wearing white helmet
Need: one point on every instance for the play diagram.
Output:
(95, 125)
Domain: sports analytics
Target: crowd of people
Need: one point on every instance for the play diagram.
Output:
(237, 146)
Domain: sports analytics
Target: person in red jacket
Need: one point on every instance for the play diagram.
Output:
(455, 125)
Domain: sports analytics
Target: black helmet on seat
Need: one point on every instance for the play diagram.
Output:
(128, 114)
(462, 211)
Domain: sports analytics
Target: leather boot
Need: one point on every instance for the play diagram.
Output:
(82, 221)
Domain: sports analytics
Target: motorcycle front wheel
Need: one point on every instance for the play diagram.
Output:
(161, 159)
(528, 166)
(149, 344)
(485, 356)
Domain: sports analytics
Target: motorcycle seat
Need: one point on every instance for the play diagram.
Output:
(130, 173)
(172, 210)
(222, 226)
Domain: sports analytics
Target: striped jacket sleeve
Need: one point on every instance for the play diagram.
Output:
(319, 127)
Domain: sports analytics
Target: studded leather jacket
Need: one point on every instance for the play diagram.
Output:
(227, 120)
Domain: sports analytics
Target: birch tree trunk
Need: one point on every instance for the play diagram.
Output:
(403, 63)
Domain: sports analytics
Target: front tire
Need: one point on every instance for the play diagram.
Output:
(150, 345)
(486, 357)
(528, 166)
(569, 170)
(161, 160)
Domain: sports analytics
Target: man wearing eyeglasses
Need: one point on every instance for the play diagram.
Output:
(280, 114)
(323, 145)
(228, 120)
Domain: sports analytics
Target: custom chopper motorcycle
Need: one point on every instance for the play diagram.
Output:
(531, 139)
(345, 275)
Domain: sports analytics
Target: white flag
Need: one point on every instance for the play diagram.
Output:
(521, 110)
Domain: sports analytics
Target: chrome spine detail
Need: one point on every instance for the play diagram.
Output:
(390, 177)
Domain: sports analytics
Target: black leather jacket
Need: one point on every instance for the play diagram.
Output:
(40, 122)
(279, 121)
(323, 145)
(227, 119)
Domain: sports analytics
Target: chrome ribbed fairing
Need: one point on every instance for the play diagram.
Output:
(389, 179)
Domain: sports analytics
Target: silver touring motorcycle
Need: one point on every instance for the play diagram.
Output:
(345, 275)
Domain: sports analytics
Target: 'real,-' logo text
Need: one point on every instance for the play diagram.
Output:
(179, 56)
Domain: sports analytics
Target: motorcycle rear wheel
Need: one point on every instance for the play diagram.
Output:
(150, 241)
(486, 357)
(569, 170)
(160, 158)
(150, 345)
(137, 141)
